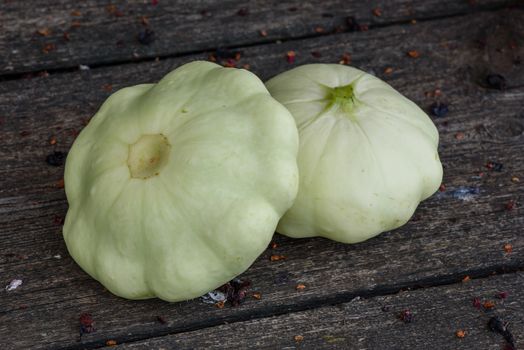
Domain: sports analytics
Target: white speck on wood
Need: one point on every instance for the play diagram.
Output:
(13, 285)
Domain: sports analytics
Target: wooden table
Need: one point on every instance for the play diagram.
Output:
(59, 60)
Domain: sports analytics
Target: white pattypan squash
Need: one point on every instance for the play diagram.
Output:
(177, 187)
(367, 154)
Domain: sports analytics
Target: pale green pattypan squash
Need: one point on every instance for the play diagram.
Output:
(367, 154)
(177, 187)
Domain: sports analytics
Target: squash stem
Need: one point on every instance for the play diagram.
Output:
(342, 97)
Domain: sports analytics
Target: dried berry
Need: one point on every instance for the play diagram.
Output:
(488, 305)
(48, 48)
(511, 204)
(439, 109)
(290, 56)
(146, 37)
(56, 158)
(161, 319)
(508, 248)
(230, 63)
(86, 324)
(502, 295)
(235, 291)
(244, 11)
(277, 257)
(43, 32)
(413, 54)
(406, 316)
(496, 81)
(345, 59)
(460, 333)
(377, 12)
(144, 20)
(476, 303)
(494, 166)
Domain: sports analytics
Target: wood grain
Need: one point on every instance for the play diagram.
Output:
(374, 323)
(450, 236)
(61, 34)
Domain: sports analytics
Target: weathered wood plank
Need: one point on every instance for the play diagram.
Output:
(450, 236)
(374, 323)
(55, 34)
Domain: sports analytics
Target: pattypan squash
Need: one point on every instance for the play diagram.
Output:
(367, 155)
(175, 188)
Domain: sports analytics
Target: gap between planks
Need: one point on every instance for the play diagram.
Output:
(313, 304)
(439, 313)
(116, 62)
